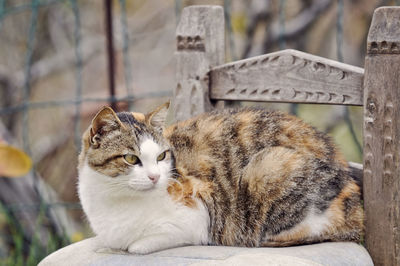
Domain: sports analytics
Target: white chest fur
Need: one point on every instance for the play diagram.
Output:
(140, 222)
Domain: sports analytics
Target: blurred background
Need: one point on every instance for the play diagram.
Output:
(55, 74)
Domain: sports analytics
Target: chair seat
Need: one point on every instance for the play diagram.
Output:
(332, 253)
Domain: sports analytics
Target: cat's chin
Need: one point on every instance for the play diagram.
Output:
(146, 189)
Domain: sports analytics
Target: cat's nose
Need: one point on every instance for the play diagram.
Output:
(154, 178)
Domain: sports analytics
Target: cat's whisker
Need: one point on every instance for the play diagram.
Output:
(175, 181)
(173, 172)
(174, 176)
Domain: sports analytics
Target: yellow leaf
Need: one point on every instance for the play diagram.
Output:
(13, 162)
(76, 237)
(239, 23)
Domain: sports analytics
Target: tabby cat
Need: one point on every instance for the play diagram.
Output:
(243, 177)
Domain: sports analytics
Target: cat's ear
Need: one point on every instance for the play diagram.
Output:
(157, 117)
(105, 120)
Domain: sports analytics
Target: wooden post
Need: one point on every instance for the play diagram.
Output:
(200, 46)
(382, 137)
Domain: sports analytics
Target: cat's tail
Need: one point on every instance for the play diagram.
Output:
(345, 236)
(276, 244)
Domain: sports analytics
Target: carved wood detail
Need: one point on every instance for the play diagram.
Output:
(383, 38)
(288, 76)
(200, 46)
(382, 138)
(388, 142)
(293, 76)
(190, 43)
(383, 47)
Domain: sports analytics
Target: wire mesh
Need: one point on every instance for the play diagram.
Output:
(282, 40)
(2, 8)
(28, 65)
(78, 72)
(34, 5)
(127, 62)
(339, 54)
(228, 25)
(34, 8)
(26, 105)
(26, 247)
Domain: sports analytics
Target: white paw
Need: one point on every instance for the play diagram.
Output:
(110, 251)
(138, 249)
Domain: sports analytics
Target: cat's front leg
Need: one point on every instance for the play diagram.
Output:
(152, 244)
(100, 246)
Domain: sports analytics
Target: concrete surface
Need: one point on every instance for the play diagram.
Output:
(339, 253)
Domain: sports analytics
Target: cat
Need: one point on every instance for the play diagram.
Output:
(235, 177)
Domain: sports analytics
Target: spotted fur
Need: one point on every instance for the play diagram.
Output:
(265, 178)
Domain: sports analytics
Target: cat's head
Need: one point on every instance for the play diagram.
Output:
(128, 149)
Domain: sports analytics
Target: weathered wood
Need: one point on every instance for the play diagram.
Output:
(293, 76)
(382, 137)
(200, 46)
(288, 76)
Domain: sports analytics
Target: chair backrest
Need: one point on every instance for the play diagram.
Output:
(204, 82)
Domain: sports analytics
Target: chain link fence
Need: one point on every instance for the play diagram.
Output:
(54, 76)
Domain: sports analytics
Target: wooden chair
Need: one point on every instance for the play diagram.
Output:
(204, 82)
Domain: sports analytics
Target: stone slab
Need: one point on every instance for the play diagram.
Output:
(332, 253)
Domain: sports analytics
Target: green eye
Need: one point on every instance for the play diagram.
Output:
(161, 156)
(131, 159)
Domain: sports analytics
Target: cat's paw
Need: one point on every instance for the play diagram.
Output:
(106, 250)
(138, 249)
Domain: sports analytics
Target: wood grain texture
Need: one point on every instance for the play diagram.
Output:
(382, 139)
(288, 76)
(382, 37)
(200, 46)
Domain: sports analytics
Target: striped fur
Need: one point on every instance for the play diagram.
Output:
(268, 172)
(266, 178)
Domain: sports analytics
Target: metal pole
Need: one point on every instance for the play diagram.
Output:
(110, 51)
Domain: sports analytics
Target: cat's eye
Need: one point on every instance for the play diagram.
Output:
(131, 159)
(161, 156)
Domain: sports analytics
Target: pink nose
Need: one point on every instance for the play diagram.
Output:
(154, 178)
